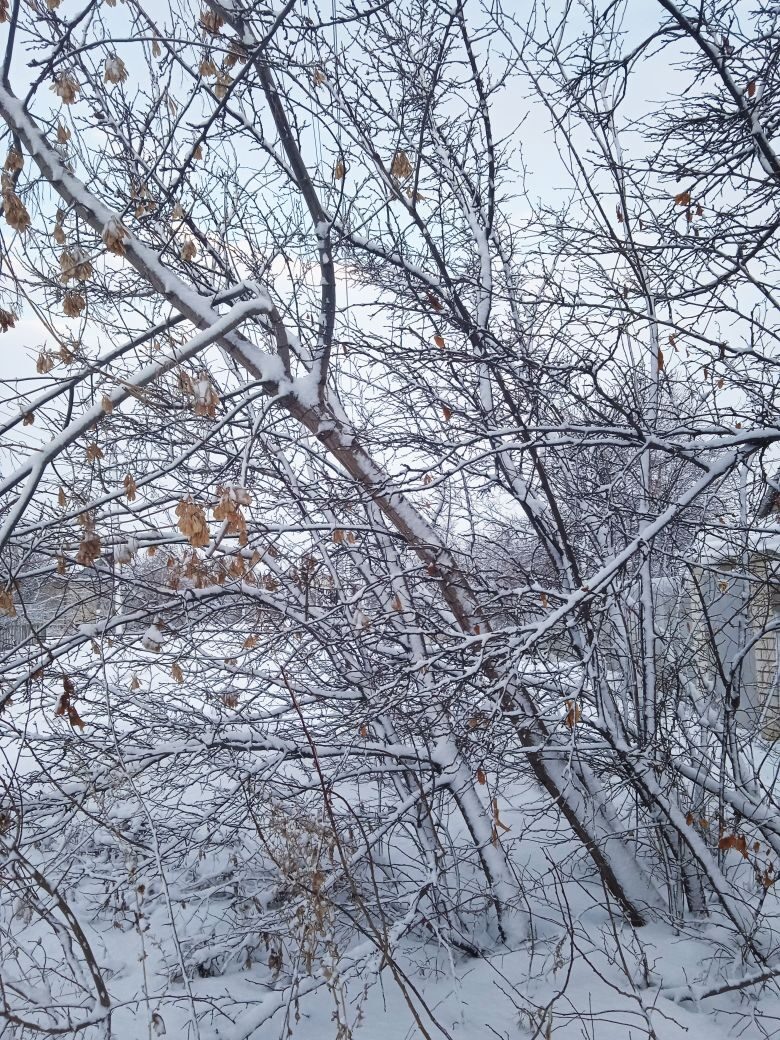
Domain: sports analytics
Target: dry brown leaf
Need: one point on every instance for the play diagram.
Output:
(64, 706)
(738, 842)
(573, 714)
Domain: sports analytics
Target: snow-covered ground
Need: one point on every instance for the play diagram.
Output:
(184, 951)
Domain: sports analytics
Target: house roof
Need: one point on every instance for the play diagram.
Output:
(729, 543)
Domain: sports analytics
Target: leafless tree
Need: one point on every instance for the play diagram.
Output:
(389, 487)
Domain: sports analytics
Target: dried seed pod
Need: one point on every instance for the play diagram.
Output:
(115, 70)
(114, 234)
(44, 363)
(400, 166)
(192, 523)
(13, 161)
(89, 549)
(75, 265)
(16, 214)
(73, 304)
(211, 22)
(206, 396)
(222, 86)
(67, 88)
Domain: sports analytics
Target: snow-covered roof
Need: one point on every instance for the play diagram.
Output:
(731, 543)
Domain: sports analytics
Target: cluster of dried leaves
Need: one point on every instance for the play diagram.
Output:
(14, 209)
(192, 523)
(65, 707)
(228, 509)
(89, 547)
